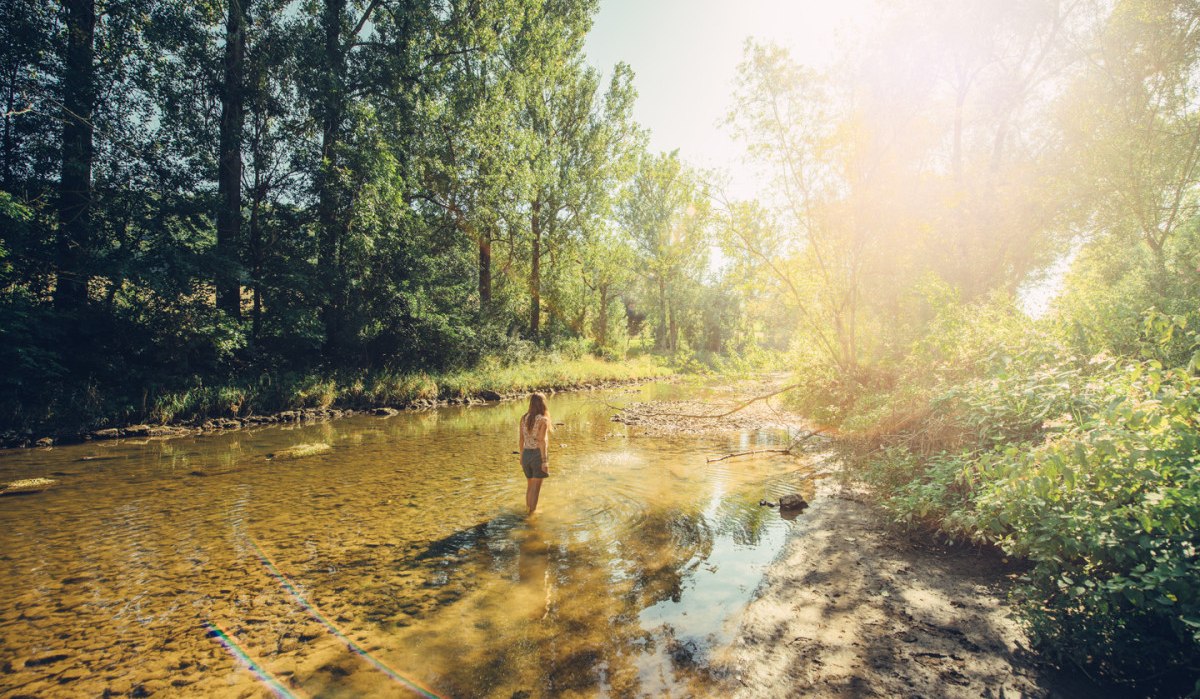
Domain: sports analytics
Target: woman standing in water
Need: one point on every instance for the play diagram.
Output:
(534, 435)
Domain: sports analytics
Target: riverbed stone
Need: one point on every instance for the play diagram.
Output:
(27, 485)
(490, 395)
(46, 659)
(792, 502)
(110, 433)
(34, 690)
(119, 688)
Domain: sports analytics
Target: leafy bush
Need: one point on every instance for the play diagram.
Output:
(1086, 468)
(1108, 511)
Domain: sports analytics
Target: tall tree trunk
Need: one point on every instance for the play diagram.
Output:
(660, 333)
(75, 187)
(485, 271)
(956, 154)
(672, 330)
(602, 323)
(535, 273)
(229, 176)
(6, 179)
(964, 224)
(330, 208)
(256, 255)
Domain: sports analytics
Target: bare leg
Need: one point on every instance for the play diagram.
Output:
(533, 489)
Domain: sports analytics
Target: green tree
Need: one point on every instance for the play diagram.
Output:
(665, 211)
(577, 140)
(1132, 120)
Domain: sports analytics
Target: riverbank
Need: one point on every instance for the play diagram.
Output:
(854, 606)
(294, 399)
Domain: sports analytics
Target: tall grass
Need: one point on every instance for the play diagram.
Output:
(274, 393)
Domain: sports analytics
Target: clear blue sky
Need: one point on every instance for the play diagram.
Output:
(685, 53)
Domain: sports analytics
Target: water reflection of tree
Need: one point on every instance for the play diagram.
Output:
(498, 606)
(657, 557)
(742, 519)
(530, 607)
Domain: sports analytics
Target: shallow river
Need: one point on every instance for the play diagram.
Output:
(400, 563)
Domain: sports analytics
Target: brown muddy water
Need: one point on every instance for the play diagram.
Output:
(400, 563)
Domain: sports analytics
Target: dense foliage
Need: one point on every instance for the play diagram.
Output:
(922, 187)
(1085, 466)
(197, 197)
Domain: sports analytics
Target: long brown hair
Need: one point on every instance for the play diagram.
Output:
(537, 406)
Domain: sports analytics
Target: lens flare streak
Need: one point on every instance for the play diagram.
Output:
(240, 653)
(396, 676)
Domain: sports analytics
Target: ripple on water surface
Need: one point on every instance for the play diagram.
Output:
(399, 558)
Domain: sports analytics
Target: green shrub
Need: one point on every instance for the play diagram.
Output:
(1107, 509)
(1086, 468)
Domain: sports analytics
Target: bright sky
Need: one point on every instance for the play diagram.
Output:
(685, 54)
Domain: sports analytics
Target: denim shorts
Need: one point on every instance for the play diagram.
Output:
(531, 463)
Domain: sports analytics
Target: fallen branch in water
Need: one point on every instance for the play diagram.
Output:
(747, 453)
(788, 450)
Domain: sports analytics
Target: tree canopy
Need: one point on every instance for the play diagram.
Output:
(195, 193)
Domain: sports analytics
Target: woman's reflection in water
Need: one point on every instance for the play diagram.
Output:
(533, 569)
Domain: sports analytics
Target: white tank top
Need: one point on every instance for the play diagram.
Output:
(529, 438)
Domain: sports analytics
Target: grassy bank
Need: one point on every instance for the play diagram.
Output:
(65, 412)
(270, 393)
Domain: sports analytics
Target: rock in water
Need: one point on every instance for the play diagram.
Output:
(27, 485)
(792, 502)
(300, 451)
(489, 395)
